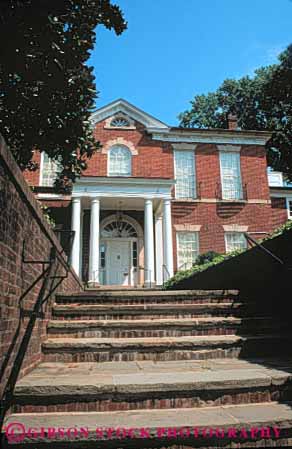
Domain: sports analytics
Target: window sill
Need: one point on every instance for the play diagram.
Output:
(119, 176)
(232, 201)
(186, 200)
(208, 200)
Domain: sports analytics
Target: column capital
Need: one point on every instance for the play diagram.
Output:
(95, 199)
(148, 200)
(76, 199)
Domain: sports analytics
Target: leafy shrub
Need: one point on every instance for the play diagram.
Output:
(206, 257)
(198, 268)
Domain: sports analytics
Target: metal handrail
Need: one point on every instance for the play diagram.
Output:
(263, 248)
(150, 273)
(242, 193)
(68, 244)
(167, 272)
(47, 274)
(183, 265)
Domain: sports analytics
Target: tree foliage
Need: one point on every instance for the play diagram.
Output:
(262, 102)
(47, 91)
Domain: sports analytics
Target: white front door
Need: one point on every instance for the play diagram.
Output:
(118, 262)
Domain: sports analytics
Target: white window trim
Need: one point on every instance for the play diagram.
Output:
(240, 176)
(177, 244)
(109, 120)
(108, 162)
(235, 228)
(289, 215)
(225, 239)
(229, 148)
(41, 171)
(194, 175)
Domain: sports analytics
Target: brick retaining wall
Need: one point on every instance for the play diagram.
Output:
(22, 219)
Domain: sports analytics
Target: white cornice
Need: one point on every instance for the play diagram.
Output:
(123, 106)
(281, 193)
(52, 196)
(123, 188)
(96, 180)
(211, 136)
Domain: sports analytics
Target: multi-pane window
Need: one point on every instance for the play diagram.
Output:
(235, 241)
(289, 208)
(230, 175)
(135, 254)
(102, 255)
(50, 170)
(188, 249)
(119, 161)
(184, 174)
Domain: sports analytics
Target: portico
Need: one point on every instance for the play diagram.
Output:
(123, 250)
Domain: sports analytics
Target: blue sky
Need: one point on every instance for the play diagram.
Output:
(175, 49)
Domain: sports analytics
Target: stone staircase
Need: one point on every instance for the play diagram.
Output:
(170, 364)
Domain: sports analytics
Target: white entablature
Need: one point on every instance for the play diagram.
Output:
(123, 187)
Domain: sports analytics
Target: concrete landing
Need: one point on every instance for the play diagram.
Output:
(245, 422)
(144, 376)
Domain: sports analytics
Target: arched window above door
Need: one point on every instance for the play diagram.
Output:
(119, 161)
(117, 229)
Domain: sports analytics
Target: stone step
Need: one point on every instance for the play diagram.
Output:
(161, 327)
(148, 311)
(153, 296)
(162, 349)
(116, 386)
(254, 425)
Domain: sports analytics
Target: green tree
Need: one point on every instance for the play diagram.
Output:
(47, 92)
(262, 102)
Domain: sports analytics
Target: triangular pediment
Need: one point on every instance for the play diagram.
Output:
(124, 107)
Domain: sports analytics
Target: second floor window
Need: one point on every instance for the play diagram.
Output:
(184, 163)
(230, 175)
(119, 161)
(50, 169)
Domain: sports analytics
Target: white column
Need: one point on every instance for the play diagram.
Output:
(159, 250)
(94, 242)
(149, 243)
(167, 240)
(76, 226)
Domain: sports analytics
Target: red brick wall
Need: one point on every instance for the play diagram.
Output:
(279, 212)
(33, 177)
(213, 216)
(155, 159)
(21, 219)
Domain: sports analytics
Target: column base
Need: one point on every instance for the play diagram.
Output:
(92, 284)
(149, 284)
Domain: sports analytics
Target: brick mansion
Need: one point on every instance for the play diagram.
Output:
(154, 197)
